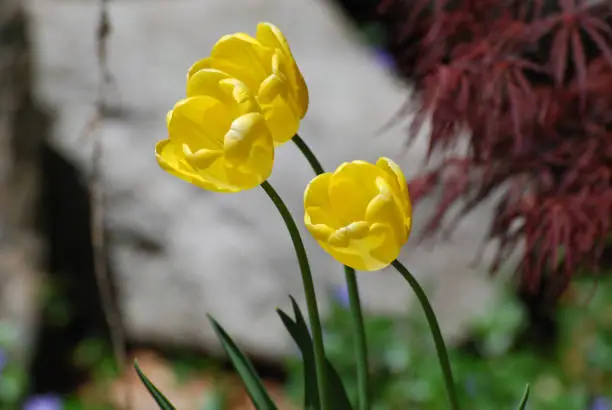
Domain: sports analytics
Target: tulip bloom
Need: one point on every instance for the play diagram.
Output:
(360, 214)
(218, 141)
(265, 64)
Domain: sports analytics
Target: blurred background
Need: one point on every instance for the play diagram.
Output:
(175, 253)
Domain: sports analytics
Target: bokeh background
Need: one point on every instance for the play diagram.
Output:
(175, 253)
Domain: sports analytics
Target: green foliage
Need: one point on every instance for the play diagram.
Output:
(160, 399)
(493, 372)
(298, 330)
(254, 386)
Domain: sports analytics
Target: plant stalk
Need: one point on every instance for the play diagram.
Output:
(361, 346)
(310, 156)
(309, 291)
(435, 332)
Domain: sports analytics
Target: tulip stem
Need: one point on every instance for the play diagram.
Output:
(310, 156)
(311, 300)
(361, 346)
(435, 331)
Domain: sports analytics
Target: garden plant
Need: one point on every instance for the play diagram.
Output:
(242, 101)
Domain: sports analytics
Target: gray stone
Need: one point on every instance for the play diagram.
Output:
(180, 252)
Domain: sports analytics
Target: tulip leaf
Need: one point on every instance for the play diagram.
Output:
(523, 403)
(160, 399)
(300, 334)
(311, 393)
(254, 386)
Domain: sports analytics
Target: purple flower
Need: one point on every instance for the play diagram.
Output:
(43, 402)
(385, 58)
(341, 296)
(600, 403)
(3, 360)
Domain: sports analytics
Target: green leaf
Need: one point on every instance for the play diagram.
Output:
(311, 393)
(160, 399)
(299, 332)
(523, 402)
(254, 386)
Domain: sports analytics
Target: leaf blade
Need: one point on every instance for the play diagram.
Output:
(254, 386)
(523, 402)
(336, 390)
(158, 396)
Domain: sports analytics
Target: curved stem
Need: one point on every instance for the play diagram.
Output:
(310, 156)
(361, 346)
(311, 300)
(435, 331)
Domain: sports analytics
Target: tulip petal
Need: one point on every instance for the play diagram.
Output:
(200, 122)
(241, 137)
(388, 248)
(206, 81)
(249, 150)
(317, 192)
(270, 35)
(242, 56)
(169, 157)
(204, 63)
(351, 188)
(282, 121)
(397, 182)
(383, 208)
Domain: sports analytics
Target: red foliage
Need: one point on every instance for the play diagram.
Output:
(532, 83)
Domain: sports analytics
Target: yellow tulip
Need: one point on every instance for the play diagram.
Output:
(265, 64)
(218, 141)
(360, 214)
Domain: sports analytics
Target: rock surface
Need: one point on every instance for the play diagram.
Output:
(179, 252)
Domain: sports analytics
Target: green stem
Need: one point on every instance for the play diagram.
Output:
(361, 347)
(435, 331)
(310, 156)
(311, 300)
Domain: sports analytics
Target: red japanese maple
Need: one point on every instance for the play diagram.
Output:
(531, 82)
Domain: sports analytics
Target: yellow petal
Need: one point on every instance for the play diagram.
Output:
(241, 137)
(242, 99)
(282, 120)
(207, 81)
(387, 250)
(342, 237)
(200, 122)
(373, 252)
(384, 208)
(317, 216)
(199, 65)
(396, 177)
(170, 158)
(201, 159)
(351, 188)
(271, 36)
(272, 87)
(319, 231)
(249, 150)
(316, 193)
(243, 52)
(398, 185)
